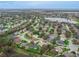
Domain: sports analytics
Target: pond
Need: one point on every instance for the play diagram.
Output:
(72, 46)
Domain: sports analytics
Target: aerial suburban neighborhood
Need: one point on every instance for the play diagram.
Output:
(39, 33)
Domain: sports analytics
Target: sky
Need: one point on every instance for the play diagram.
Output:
(39, 5)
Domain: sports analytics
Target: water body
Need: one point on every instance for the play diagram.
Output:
(72, 46)
(61, 20)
